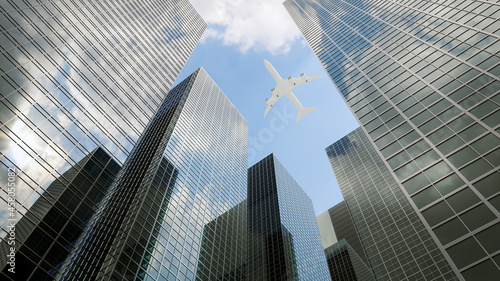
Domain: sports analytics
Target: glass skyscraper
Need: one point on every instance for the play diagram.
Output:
(76, 76)
(283, 237)
(344, 252)
(223, 253)
(394, 238)
(46, 235)
(342, 226)
(187, 169)
(422, 79)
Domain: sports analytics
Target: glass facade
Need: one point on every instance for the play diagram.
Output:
(344, 228)
(422, 78)
(283, 237)
(187, 169)
(344, 252)
(48, 232)
(394, 238)
(75, 76)
(223, 253)
(345, 264)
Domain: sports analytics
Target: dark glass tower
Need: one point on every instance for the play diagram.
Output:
(223, 253)
(345, 264)
(340, 219)
(422, 78)
(46, 235)
(187, 169)
(77, 75)
(283, 237)
(344, 252)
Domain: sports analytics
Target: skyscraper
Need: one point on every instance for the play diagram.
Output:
(422, 79)
(46, 235)
(283, 237)
(187, 169)
(76, 76)
(344, 252)
(341, 226)
(345, 264)
(394, 238)
(223, 252)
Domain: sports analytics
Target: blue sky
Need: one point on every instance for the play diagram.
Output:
(235, 63)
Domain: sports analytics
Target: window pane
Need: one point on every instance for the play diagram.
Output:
(409, 138)
(437, 213)
(427, 158)
(391, 149)
(486, 143)
(477, 217)
(440, 135)
(450, 145)
(449, 184)
(485, 271)
(475, 169)
(460, 123)
(450, 231)
(489, 238)
(431, 125)
(463, 200)
(437, 171)
(426, 197)
(472, 132)
(489, 185)
(406, 171)
(416, 183)
(418, 148)
(398, 159)
(469, 246)
(463, 156)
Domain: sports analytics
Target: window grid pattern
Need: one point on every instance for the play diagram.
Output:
(77, 75)
(284, 239)
(47, 233)
(344, 228)
(395, 240)
(201, 177)
(422, 79)
(345, 264)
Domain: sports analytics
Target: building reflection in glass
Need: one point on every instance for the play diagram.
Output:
(48, 232)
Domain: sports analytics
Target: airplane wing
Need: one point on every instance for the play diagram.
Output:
(270, 102)
(302, 79)
(271, 70)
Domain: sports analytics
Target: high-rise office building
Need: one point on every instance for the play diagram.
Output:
(422, 79)
(187, 169)
(223, 252)
(80, 75)
(338, 222)
(345, 264)
(46, 235)
(344, 252)
(283, 237)
(394, 238)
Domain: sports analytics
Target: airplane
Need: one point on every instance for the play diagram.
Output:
(284, 88)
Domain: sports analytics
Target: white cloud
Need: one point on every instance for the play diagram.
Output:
(250, 24)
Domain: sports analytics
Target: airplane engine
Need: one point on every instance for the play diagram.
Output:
(273, 89)
(302, 74)
(290, 77)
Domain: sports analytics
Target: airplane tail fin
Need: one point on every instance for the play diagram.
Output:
(303, 112)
